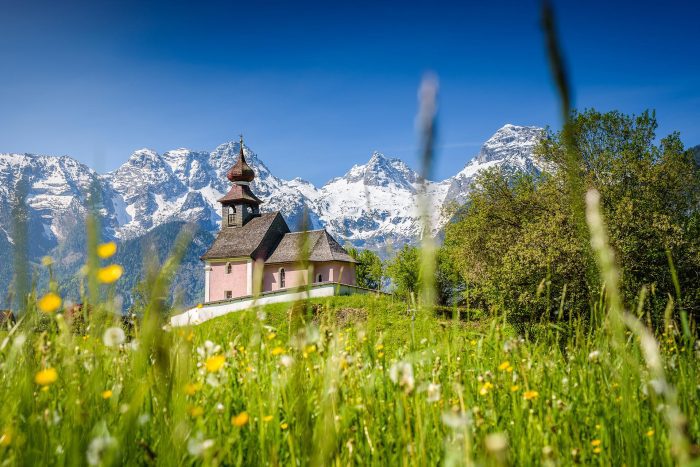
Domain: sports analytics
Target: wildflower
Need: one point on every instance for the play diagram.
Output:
(505, 366)
(433, 392)
(49, 303)
(192, 388)
(597, 450)
(267, 418)
(6, 437)
(98, 447)
(530, 395)
(215, 363)
(514, 388)
(220, 407)
(107, 394)
(277, 351)
(105, 250)
(109, 274)
(379, 347)
(594, 356)
(46, 377)
(650, 433)
(271, 336)
(113, 336)
(284, 425)
(240, 420)
(286, 360)
(401, 373)
(196, 411)
(496, 443)
(196, 446)
(596, 443)
(46, 261)
(487, 386)
(456, 420)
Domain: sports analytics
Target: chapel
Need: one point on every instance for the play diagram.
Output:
(251, 244)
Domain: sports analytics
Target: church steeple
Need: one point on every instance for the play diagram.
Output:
(240, 204)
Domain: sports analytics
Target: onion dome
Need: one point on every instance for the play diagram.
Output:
(241, 171)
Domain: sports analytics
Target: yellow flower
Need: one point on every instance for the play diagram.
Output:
(650, 433)
(596, 442)
(277, 351)
(47, 261)
(192, 388)
(284, 425)
(105, 250)
(596, 450)
(505, 366)
(199, 305)
(514, 388)
(49, 303)
(107, 394)
(379, 346)
(6, 438)
(310, 348)
(240, 420)
(271, 336)
(215, 363)
(267, 418)
(109, 274)
(46, 377)
(196, 411)
(485, 388)
(530, 395)
(190, 336)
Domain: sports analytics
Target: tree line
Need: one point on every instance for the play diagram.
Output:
(514, 246)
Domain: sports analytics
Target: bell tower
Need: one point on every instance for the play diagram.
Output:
(239, 205)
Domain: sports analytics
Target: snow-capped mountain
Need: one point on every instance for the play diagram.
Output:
(373, 205)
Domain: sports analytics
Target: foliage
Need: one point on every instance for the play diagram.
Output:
(516, 243)
(369, 270)
(404, 271)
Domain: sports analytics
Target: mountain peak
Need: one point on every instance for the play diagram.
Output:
(510, 141)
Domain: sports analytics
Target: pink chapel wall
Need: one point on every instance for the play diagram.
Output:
(220, 281)
(296, 275)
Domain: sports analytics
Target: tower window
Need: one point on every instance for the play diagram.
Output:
(282, 279)
(231, 216)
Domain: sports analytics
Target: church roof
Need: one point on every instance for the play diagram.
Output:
(240, 193)
(257, 238)
(319, 246)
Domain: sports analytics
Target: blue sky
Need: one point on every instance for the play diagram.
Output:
(316, 87)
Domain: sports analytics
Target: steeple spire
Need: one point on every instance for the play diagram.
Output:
(241, 171)
(240, 204)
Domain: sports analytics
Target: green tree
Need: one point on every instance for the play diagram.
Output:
(369, 270)
(516, 244)
(404, 271)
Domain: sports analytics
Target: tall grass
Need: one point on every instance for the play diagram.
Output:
(344, 381)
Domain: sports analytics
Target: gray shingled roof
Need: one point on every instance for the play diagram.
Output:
(257, 238)
(320, 246)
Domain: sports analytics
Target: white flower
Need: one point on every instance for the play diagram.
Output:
(98, 447)
(196, 446)
(594, 356)
(456, 420)
(113, 337)
(496, 443)
(286, 360)
(401, 373)
(219, 407)
(433, 392)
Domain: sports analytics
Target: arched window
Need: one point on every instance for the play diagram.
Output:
(229, 268)
(319, 278)
(282, 278)
(231, 216)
